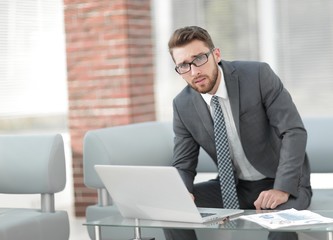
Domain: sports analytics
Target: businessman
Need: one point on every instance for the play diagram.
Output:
(265, 136)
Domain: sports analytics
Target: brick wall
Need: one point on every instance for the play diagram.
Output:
(110, 72)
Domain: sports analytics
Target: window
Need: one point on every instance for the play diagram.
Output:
(294, 37)
(32, 60)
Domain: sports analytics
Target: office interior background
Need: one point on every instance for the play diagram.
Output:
(294, 37)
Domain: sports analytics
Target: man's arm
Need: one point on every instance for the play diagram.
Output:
(186, 151)
(285, 119)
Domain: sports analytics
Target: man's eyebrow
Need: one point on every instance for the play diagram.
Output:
(183, 62)
(201, 53)
(198, 54)
(193, 56)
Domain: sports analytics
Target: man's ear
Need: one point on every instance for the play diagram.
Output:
(217, 54)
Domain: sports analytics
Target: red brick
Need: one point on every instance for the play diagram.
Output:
(110, 73)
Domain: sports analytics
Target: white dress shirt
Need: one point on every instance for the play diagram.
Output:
(244, 169)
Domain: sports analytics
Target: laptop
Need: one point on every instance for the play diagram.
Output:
(155, 193)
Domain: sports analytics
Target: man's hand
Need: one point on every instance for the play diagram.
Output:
(271, 199)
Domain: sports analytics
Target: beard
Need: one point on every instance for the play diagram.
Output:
(211, 82)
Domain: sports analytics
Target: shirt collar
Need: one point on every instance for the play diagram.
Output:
(221, 90)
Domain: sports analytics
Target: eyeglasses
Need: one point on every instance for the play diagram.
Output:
(198, 61)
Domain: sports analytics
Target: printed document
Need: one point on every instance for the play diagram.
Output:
(287, 218)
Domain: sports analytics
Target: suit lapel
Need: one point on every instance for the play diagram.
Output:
(232, 83)
(203, 112)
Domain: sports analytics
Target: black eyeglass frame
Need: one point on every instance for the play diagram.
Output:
(192, 62)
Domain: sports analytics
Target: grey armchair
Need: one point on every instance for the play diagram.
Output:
(33, 164)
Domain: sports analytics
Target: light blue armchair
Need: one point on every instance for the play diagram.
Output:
(33, 164)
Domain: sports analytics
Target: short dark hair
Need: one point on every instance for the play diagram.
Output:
(185, 35)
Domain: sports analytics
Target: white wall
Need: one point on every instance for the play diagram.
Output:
(168, 83)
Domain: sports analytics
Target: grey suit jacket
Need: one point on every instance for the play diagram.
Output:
(269, 126)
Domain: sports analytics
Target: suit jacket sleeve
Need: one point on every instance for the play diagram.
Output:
(286, 122)
(186, 151)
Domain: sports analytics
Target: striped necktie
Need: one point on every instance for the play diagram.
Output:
(225, 170)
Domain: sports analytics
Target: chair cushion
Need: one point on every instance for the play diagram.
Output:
(32, 224)
(322, 199)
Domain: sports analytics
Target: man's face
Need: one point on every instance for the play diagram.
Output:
(204, 78)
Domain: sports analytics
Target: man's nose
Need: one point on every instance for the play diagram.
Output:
(195, 70)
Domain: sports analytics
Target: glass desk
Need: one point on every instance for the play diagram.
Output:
(234, 223)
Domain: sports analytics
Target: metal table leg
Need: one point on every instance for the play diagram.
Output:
(137, 232)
